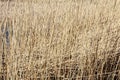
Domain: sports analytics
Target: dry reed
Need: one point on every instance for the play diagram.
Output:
(61, 39)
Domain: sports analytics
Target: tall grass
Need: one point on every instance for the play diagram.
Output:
(62, 40)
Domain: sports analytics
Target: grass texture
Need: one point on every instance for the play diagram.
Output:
(60, 39)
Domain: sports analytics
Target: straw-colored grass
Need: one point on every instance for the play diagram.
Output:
(61, 39)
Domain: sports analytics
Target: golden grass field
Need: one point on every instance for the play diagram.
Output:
(60, 39)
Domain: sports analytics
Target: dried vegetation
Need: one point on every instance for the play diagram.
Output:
(61, 39)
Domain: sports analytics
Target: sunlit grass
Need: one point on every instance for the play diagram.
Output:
(58, 40)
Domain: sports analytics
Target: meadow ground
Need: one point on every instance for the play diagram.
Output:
(60, 39)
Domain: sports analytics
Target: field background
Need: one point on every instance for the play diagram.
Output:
(61, 39)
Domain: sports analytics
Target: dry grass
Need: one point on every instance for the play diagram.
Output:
(62, 39)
